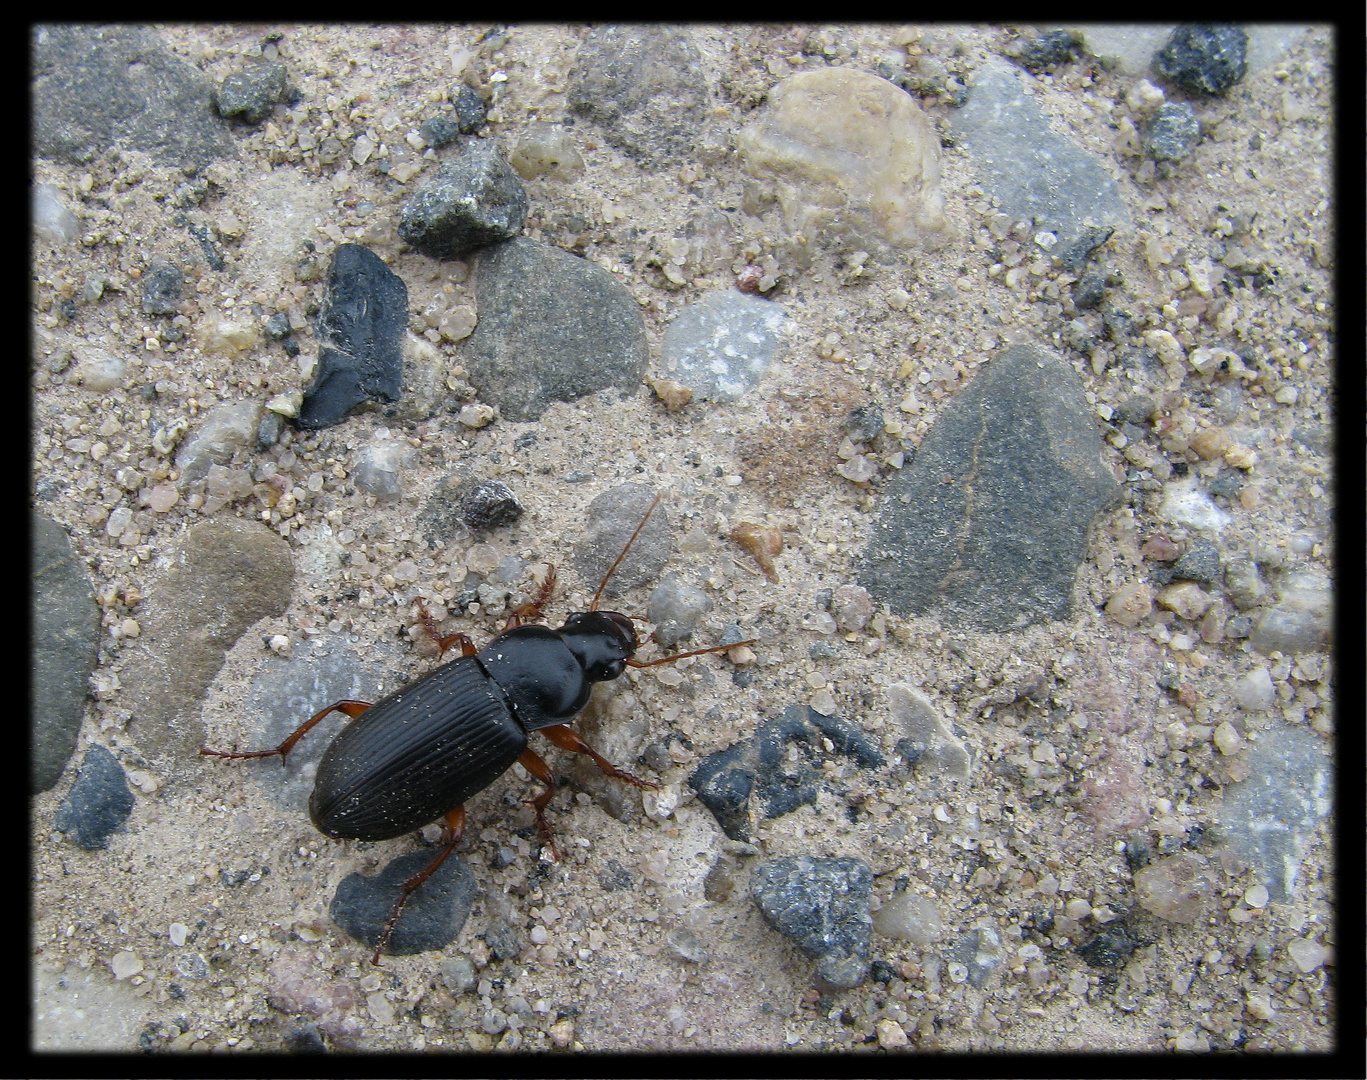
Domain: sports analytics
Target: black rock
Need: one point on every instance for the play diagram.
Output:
(1201, 562)
(1073, 255)
(1089, 290)
(1204, 58)
(277, 327)
(847, 738)
(487, 504)
(1110, 948)
(865, 423)
(432, 917)
(99, 802)
(552, 327)
(615, 877)
(1045, 51)
(161, 288)
(64, 624)
(471, 201)
(823, 905)
(252, 93)
(360, 328)
(1012, 470)
(503, 941)
(470, 109)
(723, 782)
(1173, 132)
(439, 131)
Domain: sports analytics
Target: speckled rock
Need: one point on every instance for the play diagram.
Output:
(823, 905)
(64, 624)
(251, 93)
(1204, 58)
(851, 157)
(721, 346)
(551, 328)
(431, 919)
(469, 202)
(1173, 132)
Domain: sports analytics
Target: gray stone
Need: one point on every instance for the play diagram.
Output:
(1204, 58)
(432, 917)
(645, 87)
(1201, 562)
(721, 346)
(551, 328)
(989, 523)
(99, 801)
(612, 518)
(1173, 132)
(65, 634)
(1300, 620)
(472, 201)
(1032, 170)
(252, 93)
(95, 88)
(823, 906)
(675, 608)
(1270, 818)
(470, 109)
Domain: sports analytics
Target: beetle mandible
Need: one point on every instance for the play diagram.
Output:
(418, 754)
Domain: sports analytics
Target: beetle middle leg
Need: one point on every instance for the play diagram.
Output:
(455, 825)
(349, 706)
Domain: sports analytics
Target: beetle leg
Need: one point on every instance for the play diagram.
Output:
(530, 760)
(443, 642)
(455, 825)
(352, 708)
(532, 609)
(569, 739)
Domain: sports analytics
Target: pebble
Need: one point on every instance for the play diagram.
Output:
(471, 201)
(546, 150)
(484, 503)
(1227, 739)
(64, 626)
(98, 803)
(721, 346)
(503, 940)
(178, 933)
(929, 743)
(1307, 954)
(1172, 133)
(1176, 889)
(1111, 948)
(161, 283)
(851, 606)
(1046, 51)
(125, 965)
(909, 916)
(645, 88)
(1185, 504)
(823, 905)
(439, 131)
(1201, 562)
(251, 93)
(1130, 604)
(851, 155)
(458, 975)
(611, 519)
(552, 327)
(360, 328)
(51, 219)
(1244, 585)
(1204, 59)
(222, 432)
(1187, 599)
(675, 608)
(432, 917)
(890, 1034)
(687, 945)
(470, 110)
(1299, 621)
(378, 466)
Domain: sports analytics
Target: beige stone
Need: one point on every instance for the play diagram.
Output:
(851, 154)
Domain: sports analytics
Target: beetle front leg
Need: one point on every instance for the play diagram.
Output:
(352, 708)
(455, 825)
(532, 609)
(569, 739)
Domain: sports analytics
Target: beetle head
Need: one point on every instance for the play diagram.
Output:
(602, 642)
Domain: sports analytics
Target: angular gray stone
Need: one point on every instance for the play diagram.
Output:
(472, 201)
(823, 905)
(989, 523)
(1034, 171)
(119, 86)
(612, 518)
(552, 327)
(432, 917)
(99, 801)
(65, 626)
(251, 93)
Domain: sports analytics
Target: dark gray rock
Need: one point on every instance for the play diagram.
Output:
(1204, 58)
(645, 87)
(612, 518)
(1270, 818)
(439, 131)
(865, 423)
(99, 801)
(847, 738)
(551, 328)
(486, 504)
(616, 876)
(989, 523)
(1089, 290)
(360, 331)
(503, 940)
(64, 624)
(161, 288)
(1173, 132)
(95, 88)
(1073, 255)
(220, 578)
(823, 905)
(723, 782)
(1032, 170)
(1201, 562)
(470, 109)
(1047, 50)
(1112, 947)
(252, 93)
(474, 200)
(431, 919)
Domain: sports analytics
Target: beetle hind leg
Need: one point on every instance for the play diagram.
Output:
(349, 706)
(455, 825)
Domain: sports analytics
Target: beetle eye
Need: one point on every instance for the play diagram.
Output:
(606, 672)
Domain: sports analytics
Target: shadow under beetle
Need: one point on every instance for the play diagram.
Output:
(420, 753)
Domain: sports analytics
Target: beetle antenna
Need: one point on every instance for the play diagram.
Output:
(613, 568)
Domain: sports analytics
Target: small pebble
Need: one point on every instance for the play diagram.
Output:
(1227, 739)
(1307, 954)
(890, 1034)
(1257, 896)
(179, 932)
(125, 965)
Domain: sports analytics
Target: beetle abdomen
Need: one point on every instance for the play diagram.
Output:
(415, 755)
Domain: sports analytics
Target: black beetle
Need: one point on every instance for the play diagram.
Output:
(420, 753)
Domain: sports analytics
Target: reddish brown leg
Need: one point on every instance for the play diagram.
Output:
(531, 761)
(532, 609)
(569, 739)
(429, 624)
(455, 825)
(352, 708)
